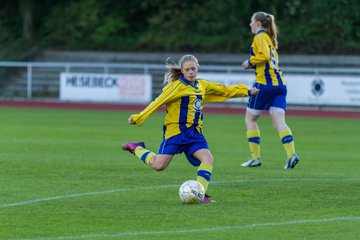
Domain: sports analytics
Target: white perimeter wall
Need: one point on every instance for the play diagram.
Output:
(326, 90)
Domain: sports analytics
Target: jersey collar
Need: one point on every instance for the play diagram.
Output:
(186, 82)
(260, 31)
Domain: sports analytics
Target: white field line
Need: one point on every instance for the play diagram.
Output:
(76, 195)
(197, 230)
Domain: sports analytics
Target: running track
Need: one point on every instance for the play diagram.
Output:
(222, 109)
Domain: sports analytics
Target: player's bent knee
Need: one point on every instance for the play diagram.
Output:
(209, 160)
(159, 165)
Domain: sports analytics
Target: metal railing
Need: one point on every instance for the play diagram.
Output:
(145, 68)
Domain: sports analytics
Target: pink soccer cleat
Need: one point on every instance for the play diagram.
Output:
(207, 199)
(130, 146)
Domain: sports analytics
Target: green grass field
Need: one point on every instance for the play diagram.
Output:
(63, 176)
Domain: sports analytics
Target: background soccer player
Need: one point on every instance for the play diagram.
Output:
(184, 96)
(272, 96)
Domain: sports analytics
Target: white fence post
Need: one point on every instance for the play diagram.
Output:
(29, 81)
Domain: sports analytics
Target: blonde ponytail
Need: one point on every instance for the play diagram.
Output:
(173, 71)
(268, 22)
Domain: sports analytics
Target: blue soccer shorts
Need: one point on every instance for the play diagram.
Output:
(269, 96)
(188, 142)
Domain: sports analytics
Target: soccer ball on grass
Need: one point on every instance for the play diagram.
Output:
(191, 191)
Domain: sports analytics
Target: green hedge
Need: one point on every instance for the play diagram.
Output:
(306, 27)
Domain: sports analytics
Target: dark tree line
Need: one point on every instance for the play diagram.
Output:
(306, 26)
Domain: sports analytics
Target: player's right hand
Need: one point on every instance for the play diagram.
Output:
(246, 64)
(131, 120)
(254, 91)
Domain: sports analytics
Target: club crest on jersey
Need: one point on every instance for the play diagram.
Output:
(197, 105)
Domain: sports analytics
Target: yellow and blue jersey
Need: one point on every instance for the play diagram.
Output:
(184, 103)
(265, 59)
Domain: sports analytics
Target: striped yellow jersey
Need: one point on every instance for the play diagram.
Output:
(184, 103)
(265, 59)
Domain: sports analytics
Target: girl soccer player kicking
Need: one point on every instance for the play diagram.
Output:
(184, 96)
(264, 58)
